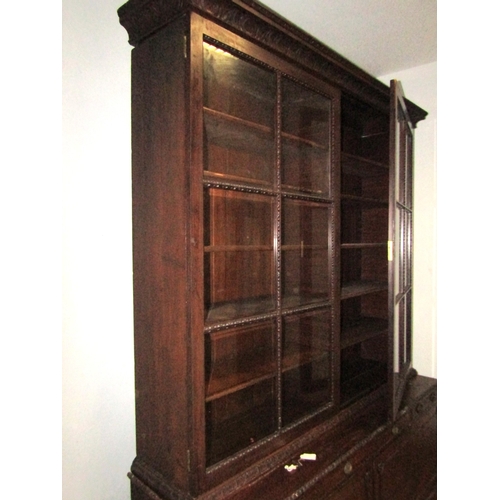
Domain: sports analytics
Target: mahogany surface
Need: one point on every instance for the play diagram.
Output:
(266, 308)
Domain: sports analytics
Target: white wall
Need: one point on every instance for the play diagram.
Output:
(30, 253)
(420, 86)
(98, 393)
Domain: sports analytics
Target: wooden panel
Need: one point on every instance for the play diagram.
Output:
(344, 486)
(160, 260)
(406, 469)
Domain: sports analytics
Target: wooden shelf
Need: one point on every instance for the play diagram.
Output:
(361, 246)
(304, 142)
(364, 202)
(220, 117)
(214, 118)
(300, 247)
(238, 309)
(210, 177)
(261, 308)
(238, 248)
(220, 386)
(364, 329)
(301, 358)
(296, 191)
(235, 133)
(362, 167)
(359, 288)
(293, 302)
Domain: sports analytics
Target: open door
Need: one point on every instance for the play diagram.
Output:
(400, 244)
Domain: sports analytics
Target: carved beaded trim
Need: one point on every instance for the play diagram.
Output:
(298, 445)
(143, 18)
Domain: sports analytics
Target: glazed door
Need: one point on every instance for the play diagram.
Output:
(400, 242)
(268, 230)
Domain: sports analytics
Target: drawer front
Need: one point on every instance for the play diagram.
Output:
(406, 468)
(349, 482)
(426, 407)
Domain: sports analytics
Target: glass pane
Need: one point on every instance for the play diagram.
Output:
(239, 419)
(403, 319)
(237, 151)
(239, 357)
(239, 257)
(305, 259)
(404, 161)
(239, 113)
(306, 363)
(306, 118)
(409, 329)
(403, 248)
(402, 332)
(409, 244)
(401, 186)
(398, 336)
(403, 244)
(401, 326)
(409, 169)
(398, 248)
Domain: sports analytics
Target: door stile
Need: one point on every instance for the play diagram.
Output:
(195, 336)
(400, 243)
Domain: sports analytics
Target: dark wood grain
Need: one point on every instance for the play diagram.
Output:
(160, 258)
(263, 198)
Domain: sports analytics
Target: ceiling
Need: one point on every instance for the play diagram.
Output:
(379, 36)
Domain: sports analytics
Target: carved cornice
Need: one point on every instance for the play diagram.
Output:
(142, 18)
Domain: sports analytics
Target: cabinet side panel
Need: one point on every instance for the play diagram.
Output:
(160, 220)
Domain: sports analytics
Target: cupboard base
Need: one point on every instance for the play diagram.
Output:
(360, 459)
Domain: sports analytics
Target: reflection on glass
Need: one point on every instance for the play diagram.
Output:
(402, 330)
(238, 357)
(264, 366)
(239, 262)
(239, 419)
(304, 253)
(306, 363)
(238, 152)
(239, 109)
(306, 142)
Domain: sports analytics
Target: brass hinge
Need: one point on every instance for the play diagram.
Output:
(390, 250)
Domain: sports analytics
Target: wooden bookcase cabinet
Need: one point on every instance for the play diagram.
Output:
(270, 310)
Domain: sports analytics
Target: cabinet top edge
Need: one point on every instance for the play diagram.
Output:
(250, 18)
